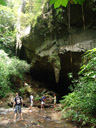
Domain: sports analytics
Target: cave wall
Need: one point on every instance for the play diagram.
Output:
(54, 50)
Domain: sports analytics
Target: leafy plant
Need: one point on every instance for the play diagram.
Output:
(7, 29)
(11, 69)
(2, 2)
(80, 105)
(58, 3)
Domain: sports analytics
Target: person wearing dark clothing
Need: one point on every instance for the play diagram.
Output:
(43, 99)
(17, 104)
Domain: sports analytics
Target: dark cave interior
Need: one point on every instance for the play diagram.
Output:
(44, 72)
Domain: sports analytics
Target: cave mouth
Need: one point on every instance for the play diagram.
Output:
(70, 63)
(43, 72)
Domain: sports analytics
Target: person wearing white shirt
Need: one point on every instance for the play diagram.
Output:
(31, 100)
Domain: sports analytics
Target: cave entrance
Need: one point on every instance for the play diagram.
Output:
(43, 72)
(70, 63)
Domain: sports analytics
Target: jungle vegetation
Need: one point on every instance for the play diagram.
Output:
(12, 68)
(80, 104)
(58, 3)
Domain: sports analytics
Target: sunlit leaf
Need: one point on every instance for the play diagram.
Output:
(57, 4)
(64, 3)
(52, 1)
(2, 2)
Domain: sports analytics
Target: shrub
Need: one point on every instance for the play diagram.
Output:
(10, 70)
(80, 105)
(7, 29)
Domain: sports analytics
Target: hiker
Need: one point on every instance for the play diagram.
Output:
(43, 99)
(54, 98)
(17, 104)
(31, 100)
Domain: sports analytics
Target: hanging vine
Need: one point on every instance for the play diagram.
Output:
(69, 27)
(83, 17)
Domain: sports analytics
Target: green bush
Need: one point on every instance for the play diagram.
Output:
(7, 29)
(80, 105)
(11, 69)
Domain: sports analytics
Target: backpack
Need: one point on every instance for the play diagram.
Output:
(18, 100)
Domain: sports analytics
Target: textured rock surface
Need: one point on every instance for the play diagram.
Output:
(53, 50)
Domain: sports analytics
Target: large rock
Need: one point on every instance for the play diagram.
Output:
(53, 49)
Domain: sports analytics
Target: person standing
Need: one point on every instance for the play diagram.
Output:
(54, 98)
(31, 100)
(43, 99)
(18, 102)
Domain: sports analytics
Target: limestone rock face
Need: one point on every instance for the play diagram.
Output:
(81, 42)
(53, 49)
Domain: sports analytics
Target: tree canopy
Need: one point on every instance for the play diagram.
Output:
(11, 69)
(58, 3)
(7, 29)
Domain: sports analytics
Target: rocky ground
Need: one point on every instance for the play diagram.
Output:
(35, 118)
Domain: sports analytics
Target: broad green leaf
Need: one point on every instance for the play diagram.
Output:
(52, 1)
(75, 1)
(64, 3)
(60, 2)
(57, 4)
(2, 2)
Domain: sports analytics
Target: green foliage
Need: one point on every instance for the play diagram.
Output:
(7, 29)
(58, 3)
(11, 69)
(22, 90)
(4, 79)
(93, 5)
(25, 90)
(37, 97)
(33, 9)
(2, 2)
(80, 105)
(19, 68)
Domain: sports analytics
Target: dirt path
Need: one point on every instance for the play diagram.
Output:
(37, 118)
